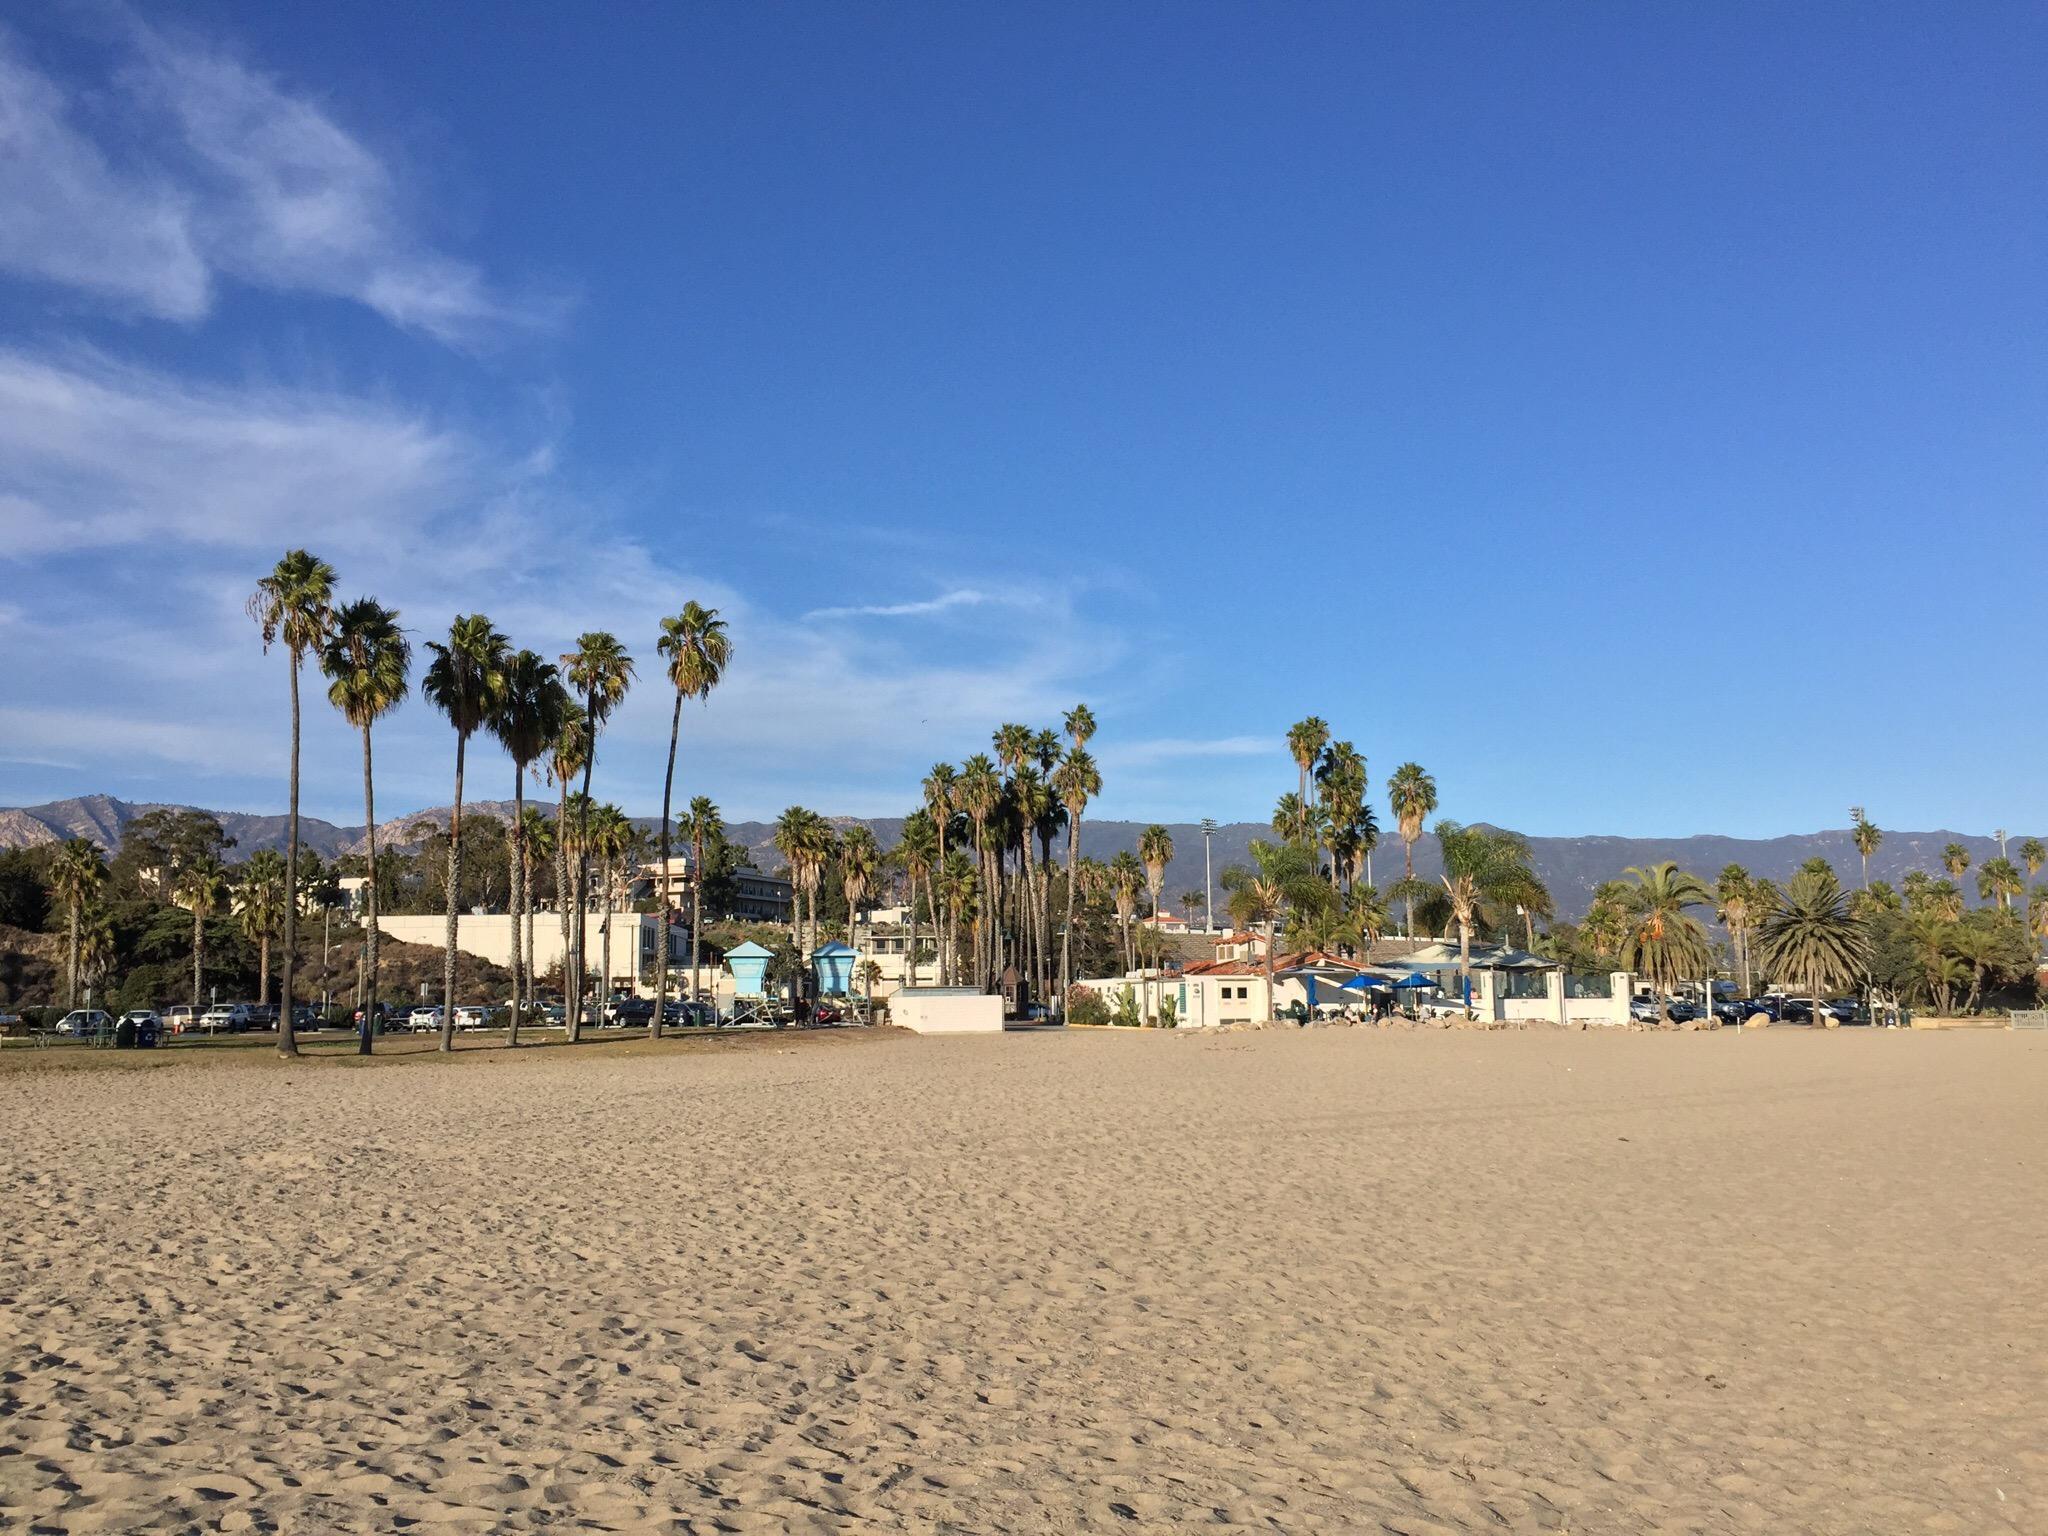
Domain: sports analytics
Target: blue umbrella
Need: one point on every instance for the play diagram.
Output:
(1417, 980)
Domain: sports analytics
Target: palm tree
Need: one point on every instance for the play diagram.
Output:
(697, 650)
(1810, 935)
(980, 795)
(1735, 896)
(1077, 781)
(1411, 794)
(1664, 943)
(917, 852)
(1999, 880)
(567, 755)
(1481, 867)
(1127, 878)
(802, 838)
(860, 861)
(1305, 742)
(294, 603)
(1955, 858)
(941, 788)
(1282, 875)
(201, 888)
(613, 839)
(463, 681)
(2033, 855)
(702, 825)
(1155, 852)
(528, 715)
(76, 879)
(1864, 833)
(600, 671)
(259, 899)
(366, 660)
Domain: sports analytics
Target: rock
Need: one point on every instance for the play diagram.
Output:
(1757, 1021)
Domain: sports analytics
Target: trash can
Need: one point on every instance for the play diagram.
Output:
(146, 1034)
(124, 1035)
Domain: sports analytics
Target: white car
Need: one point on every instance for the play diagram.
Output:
(80, 1022)
(472, 1016)
(233, 1016)
(424, 1018)
(180, 1017)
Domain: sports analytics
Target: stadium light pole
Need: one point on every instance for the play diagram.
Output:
(1208, 887)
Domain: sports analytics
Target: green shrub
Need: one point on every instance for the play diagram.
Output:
(1085, 1006)
(1169, 1011)
(1124, 1014)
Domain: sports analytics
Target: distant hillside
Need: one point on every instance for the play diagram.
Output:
(1571, 866)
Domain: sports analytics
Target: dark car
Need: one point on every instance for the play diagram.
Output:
(262, 1016)
(1799, 1010)
(1731, 1010)
(692, 1015)
(629, 1011)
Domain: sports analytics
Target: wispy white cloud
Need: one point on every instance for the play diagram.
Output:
(216, 169)
(1164, 749)
(961, 597)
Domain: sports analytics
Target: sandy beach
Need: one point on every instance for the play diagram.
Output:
(1306, 1281)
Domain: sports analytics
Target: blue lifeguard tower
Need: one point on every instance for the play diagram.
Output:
(832, 965)
(748, 964)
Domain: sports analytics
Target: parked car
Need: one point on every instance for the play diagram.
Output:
(1799, 1010)
(141, 1016)
(80, 1023)
(180, 1017)
(424, 1018)
(262, 1016)
(229, 1016)
(306, 1016)
(625, 1012)
(688, 1015)
(1646, 1010)
(473, 1016)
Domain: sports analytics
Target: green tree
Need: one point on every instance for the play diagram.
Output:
(1955, 858)
(600, 671)
(1999, 880)
(697, 650)
(1864, 833)
(367, 660)
(1155, 852)
(566, 757)
(941, 798)
(1483, 868)
(916, 852)
(1809, 936)
(1411, 794)
(860, 862)
(2033, 855)
(1305, 742)
(1076, 781)
(465, 681)
(77, 876)
(705, 830)
(294, 604)
(1281, 876)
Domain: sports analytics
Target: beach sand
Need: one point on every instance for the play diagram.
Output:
(1304, 1281)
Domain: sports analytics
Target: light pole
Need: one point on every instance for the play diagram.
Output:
(1208, 901)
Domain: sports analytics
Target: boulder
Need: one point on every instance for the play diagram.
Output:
(1757, 1021)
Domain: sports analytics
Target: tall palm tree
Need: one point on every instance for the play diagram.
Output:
(2033, 855)
(1127, 878)
(367, 660)
(802, 838)
(980, 795)
(1481, 867)
(613, 839)
(917, 851)
(941, 791)
(1735, 898)
(567, 755)
(697, 649)
(1665, 944)
(295, 604)
(1809, 935)
(76, 878)
(1955, 858)
(1282, 875)
(201, 888)
(1155, 852)
(1864, 833)
(1077, 781)
(1411, 795)
(702, 826)
(527, 717)
(463, 681)
(600, 671)
(1305, 742)
(259, 900)
(860, 861)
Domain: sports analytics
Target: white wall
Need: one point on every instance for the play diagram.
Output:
(947, 1012)
(488, 936)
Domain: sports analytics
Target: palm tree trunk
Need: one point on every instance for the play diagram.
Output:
(454, 893)
(604, 980)
(696, 904)
(1465, 962)
(198, 946)
(668, 782)
(1067, 928)
(583, 866)
(910, 947)
(1408, 863)
(522, 964)
(71, 971)
(263, 970)
(370, 890)
(287, 1036)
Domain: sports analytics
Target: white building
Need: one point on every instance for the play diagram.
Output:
(488, 936)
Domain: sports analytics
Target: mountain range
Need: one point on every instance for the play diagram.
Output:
(1571, 866)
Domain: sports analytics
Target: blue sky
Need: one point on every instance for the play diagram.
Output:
(1632, 413)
